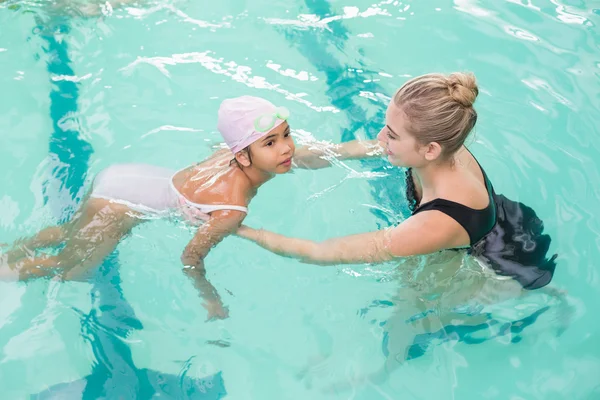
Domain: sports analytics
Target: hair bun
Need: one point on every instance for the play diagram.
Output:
(463, 88)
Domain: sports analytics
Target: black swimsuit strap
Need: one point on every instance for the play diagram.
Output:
(477, 223)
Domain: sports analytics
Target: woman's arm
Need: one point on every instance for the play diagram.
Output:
(420, 234)
(318, 154)
(220, 225)
(361, 248)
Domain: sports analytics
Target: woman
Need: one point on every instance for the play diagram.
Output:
(453, 202)
(454, 207)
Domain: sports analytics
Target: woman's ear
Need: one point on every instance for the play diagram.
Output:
(433, 151)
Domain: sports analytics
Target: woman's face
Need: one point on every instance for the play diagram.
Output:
(402, 149)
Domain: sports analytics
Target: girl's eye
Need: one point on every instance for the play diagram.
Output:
(389, 135)
(270, 143)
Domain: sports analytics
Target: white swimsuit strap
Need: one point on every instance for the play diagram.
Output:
(208, 208)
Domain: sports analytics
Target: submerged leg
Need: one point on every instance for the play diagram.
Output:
(47, 237)
(52, 236)
(93, 235)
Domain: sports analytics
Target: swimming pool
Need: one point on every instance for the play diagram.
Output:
(144, 84)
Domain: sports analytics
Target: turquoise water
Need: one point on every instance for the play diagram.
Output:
(144, 85)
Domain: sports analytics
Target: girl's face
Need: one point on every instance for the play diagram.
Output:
(274, 151)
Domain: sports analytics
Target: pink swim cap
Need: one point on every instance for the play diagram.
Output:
(238, 117)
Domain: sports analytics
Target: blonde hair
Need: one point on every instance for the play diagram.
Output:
(439, 108)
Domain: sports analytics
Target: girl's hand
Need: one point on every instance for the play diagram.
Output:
(216, 310)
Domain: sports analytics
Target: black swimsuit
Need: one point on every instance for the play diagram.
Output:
(506, 234)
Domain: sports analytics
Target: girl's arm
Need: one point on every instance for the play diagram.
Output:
(209, 234)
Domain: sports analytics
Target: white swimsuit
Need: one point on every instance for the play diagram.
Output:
(148, 189)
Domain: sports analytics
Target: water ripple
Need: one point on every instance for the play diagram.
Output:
(539, 70)
(238, 73)
(305, 21)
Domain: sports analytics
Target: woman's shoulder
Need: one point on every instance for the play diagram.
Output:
(469, 186)
(466, 159)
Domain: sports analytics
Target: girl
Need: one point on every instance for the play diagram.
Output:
(218, 190)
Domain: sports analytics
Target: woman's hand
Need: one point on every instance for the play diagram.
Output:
(309, 157)
(321, 154)
(246, 232)
(255, 235)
